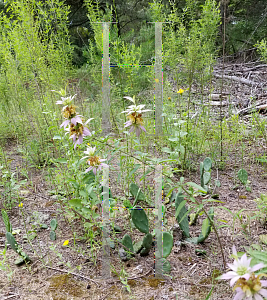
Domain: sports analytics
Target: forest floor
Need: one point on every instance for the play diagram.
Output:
(63, 273)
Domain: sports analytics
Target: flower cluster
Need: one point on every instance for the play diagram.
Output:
(134, 114)
(95, 163)
(247, 285)
(74, 123)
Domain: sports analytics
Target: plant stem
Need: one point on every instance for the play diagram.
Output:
(213, 226)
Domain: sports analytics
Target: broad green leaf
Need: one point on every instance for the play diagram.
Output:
(181, 205)
(207, 164)
(205, 226)
(83, 193)
(174, 139)
(76, 202)
(198, 187)
(206, 177)
(242, 176)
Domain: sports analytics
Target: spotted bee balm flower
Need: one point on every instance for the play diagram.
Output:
(251, 289)
(78, 132)
(134, 116)
(95, 163)
(74, 121)
(247, 285)
(69, 112)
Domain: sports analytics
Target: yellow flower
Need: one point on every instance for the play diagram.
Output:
(21, 204)
(181, 91)
(169, 98)
(66, 243)
(156, 80)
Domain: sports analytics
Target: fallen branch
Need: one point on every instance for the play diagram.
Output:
(249, 109)
(74, 274)
(12, 296)
(239, 79)
(253, 68)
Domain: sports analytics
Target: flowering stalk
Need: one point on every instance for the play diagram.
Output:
(134, 115)
(73, 122)
(95, 163)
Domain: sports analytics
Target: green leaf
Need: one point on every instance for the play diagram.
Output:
(182, 133)
(140, 219)
(174, 139)
(61, 160)
(206, 177)
(167, 244)
(205, 226)
(201, 168)
(11, 241)
(209, 294)
(6, 220)
(147, 241)
(198, 187)
(207, 164)
(76, 202)
(19, 261)
(217, 183)
(53, 224)
(263, 238)
(242, 176)
(52, 235)
(163, 266)
(74, 184)
(136, 192)
(181, 205)
(89, 178)
(127, 242)
(32, 236)
(52, 127)
(225, 208)
(166, 149)
(193, 240)
(181, 217)
(83, 194)
(259, 256)
(136, 167)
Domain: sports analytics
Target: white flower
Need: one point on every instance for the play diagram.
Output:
(134, 108)
(240, 268)
(65, 101)
(90, 151)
